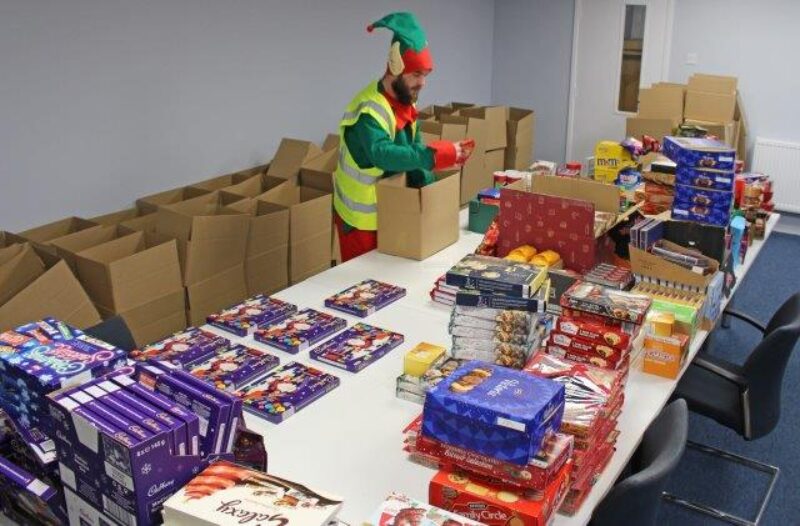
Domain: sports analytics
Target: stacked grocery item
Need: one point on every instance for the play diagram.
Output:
(598, 326)
(665, 348)
(443, 293)
(704, 179)
(227, 494)
(500, 309)
(753, 196)
(424, 366)
(128, 440)
(593, 402)
(492, 432)
(399, 510)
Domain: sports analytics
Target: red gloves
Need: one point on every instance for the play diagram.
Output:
(447, 154)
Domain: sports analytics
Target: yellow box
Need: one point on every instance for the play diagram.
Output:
(664, 356)
(609, 158)
(421, 357)
(661, 323)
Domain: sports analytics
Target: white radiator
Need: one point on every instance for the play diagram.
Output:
(781, 161)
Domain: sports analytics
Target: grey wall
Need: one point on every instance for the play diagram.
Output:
(532, 55)
(755, 41)
(102, 101)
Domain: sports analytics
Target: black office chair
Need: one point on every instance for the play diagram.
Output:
(744, 398)
(115, 331)
(635, 499)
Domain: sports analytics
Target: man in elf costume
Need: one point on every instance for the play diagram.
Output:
(379, 137)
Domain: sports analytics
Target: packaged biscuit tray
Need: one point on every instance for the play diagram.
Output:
(615, 304)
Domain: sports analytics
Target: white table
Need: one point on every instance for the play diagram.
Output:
(349, 442)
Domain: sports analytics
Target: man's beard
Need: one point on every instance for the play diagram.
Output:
(403, 93)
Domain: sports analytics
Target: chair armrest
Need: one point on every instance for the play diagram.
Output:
(729, 375)
(745, 318)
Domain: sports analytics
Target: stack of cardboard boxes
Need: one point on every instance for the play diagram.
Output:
(503, 139)
(709, 101)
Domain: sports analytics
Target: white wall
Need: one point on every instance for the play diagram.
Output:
(532, 53)
(103, 101)
(755, 41)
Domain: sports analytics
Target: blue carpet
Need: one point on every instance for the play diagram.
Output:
(772, 279)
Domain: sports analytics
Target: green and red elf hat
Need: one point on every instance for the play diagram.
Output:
(409, 51)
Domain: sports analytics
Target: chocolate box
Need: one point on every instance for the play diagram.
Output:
(213, 413)
(184, 349)
(126, 478)
(494, 411)
(689, 196)
(705, 178)
(227, 494)
(702, 214)
(490, 274)
(27, 499)
(134, 390)
(235, 367)
(245, 317)
(493, 504)
(357, 347)
(699, 153)
(286, 390)
(300, 331)
(365, 298)
(615, 304)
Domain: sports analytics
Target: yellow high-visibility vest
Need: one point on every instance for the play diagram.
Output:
(355, 195)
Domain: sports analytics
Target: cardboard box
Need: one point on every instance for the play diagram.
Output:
(520, 128)
(474, 176)
(19, 267)
(711, 107)
(331, 142)
(661, 102)
(130, 271)
(151, 203)
(41, 235)
(310, 227)
(68, 246)
(143, 223)
(267, 261)
(657, 128)
(215, 293)
(493, 162)
(495, 117)
(115, 218)
(318, 172)
(211, 237)
(224, 181)
(712, 83)
(291, 155)
(647, 264)
(418, 222)
(252, 187)
(154, 320)
(57, 293)
(727, 132)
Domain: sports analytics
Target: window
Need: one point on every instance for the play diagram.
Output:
(631, 69)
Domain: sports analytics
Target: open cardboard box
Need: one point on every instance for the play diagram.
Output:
(655, 127)
(495, 117)
(520, 129)
(474, 176)
(120, 216)
(67, 247)
(55, 292)
(310, 206)
(647, 264)
(41, 236)
(662, 101)
(292, 154)
(151, 203)
(138, 277)
(267, 262)
(252, 187)
(19, 267)
(221, 182)
(416, 223)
